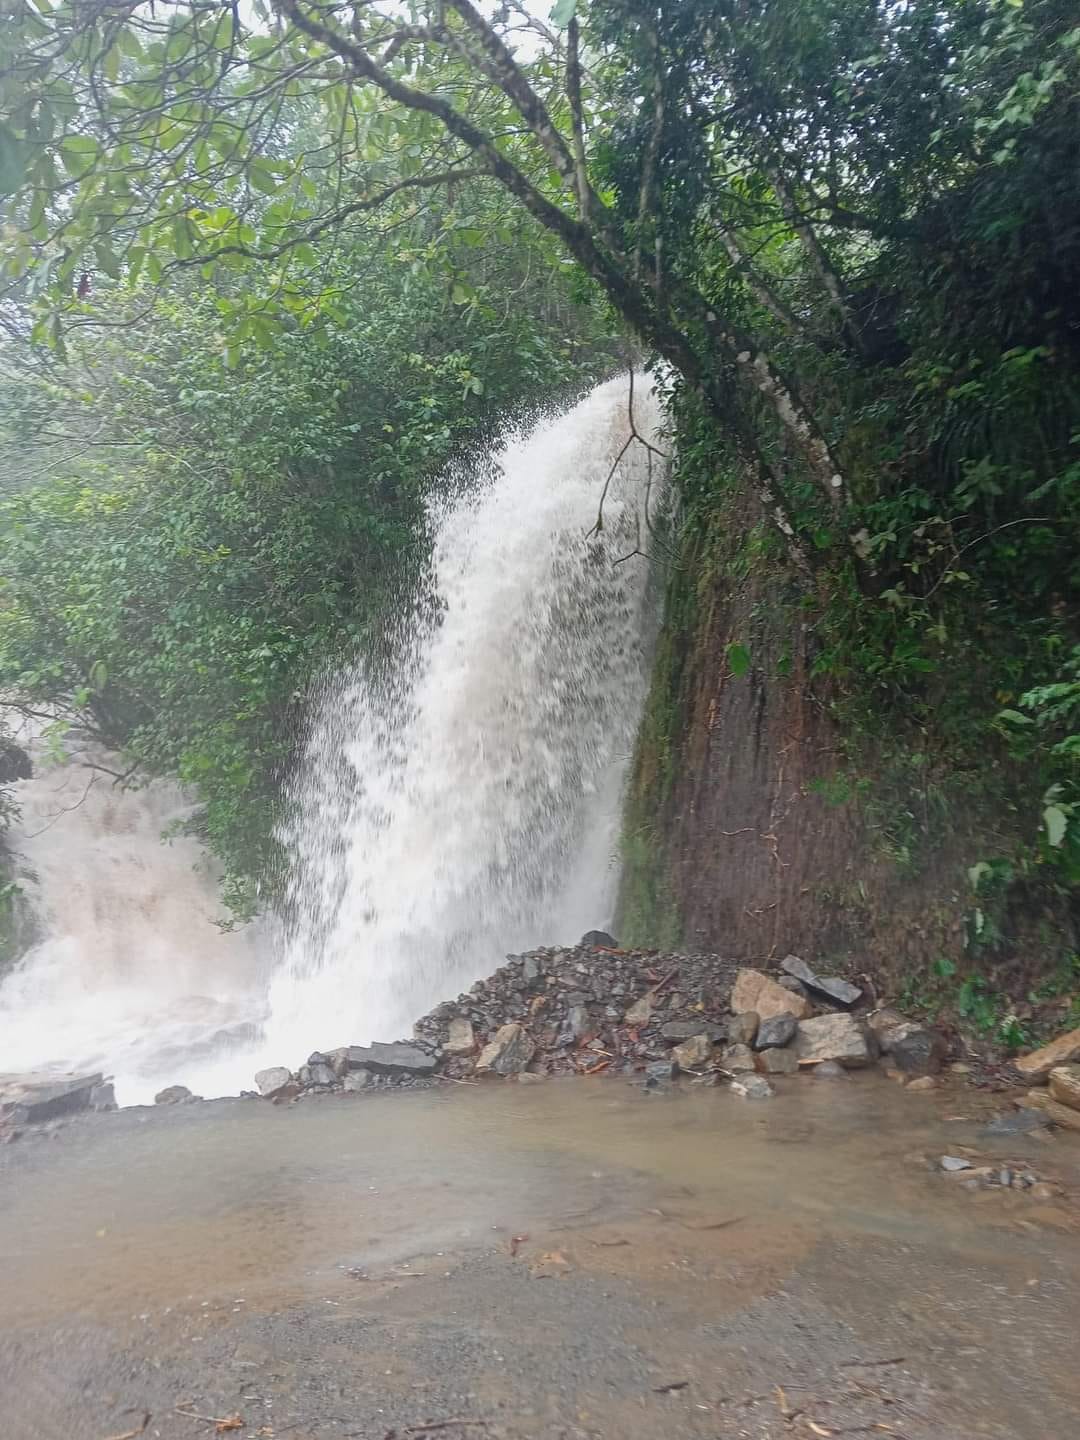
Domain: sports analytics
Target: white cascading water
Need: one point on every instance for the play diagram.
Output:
(455, 802)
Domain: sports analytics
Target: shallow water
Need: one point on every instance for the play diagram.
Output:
(242, 1202)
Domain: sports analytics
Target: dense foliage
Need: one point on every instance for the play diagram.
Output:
(850, 227)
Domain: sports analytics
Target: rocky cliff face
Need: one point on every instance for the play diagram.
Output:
(754, 824)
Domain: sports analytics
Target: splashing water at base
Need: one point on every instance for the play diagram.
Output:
(454, 803)
(465, 802)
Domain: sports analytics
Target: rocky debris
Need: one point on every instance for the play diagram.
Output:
(461, 1038)
(1036, 1067)
(838, 1037)
(33, 1099)
(1065, 1085)
(320, 1073)
(175, 1095)
(693, 1054)
(510, 1051)
(640, 1013)
(752, 1087)
(912, 1048)
(777, 1031)
(778, 1061)
(976, 1174)
(757, 992)
(832, 987)
(273, 1081)
(743, 1028)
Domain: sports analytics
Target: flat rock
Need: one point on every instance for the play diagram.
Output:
(833, 987)
(1065, 1085)
(396, 1059)
(687, 1029)
(738, 1058)
(830, 1070)
(754, 991)
(693, 1054)
(778, 1062)
(743, 1028)
(775, 1032)
(1036, 1067)
(508, 1052)
(914, 1049)
(272, 1081)
(838, 1037)
(462, 1037)
(953, 1163)
(752, 1087)
(34, 1098)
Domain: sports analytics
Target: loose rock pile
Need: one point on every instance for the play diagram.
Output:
(595, 1008)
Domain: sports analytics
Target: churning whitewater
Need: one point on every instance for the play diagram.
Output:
(454, 801)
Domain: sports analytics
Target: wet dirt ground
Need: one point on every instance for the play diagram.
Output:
(567, 1259)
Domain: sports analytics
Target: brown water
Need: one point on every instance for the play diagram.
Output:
(247, 1204)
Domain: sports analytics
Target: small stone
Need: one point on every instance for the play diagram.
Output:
(738, 1058)
(693, 1054)
(173, 1095)
(1043, 1191)
(953, 1163)
(526, 1077)
(829, 1070)
(357, 1080)
(884, 1019)
(1036, 1067)
(269, 1082)
(778, 1062)
(754, 991)
(461, 1039)
(640, 1012)
(661, 1070)
(508, 1053)
(743, 1028)
(923, 1083)
(778, 1030)
(1064, 1084)
(1005, 1178)
(1016, 1122)
(578, 1022)
(838, 1037)
(914, 1049)
(959, 1068)
(530, 970)
(752, 1087)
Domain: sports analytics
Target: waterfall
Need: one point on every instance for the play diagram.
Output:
(457, 798)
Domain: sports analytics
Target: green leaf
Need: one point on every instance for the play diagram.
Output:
(563, 12)
(12, 161)
(1056, 822)
(739, 659)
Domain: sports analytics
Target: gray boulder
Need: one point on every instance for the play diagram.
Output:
(272, 1081)
(777, 1031)
(174, 1095)
(508, 1052)
(913, 1049)
(462, 1038)
(752, 1087)
(34, 1098)
(358, 1080)
(743, 1028)
(839, 1037)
